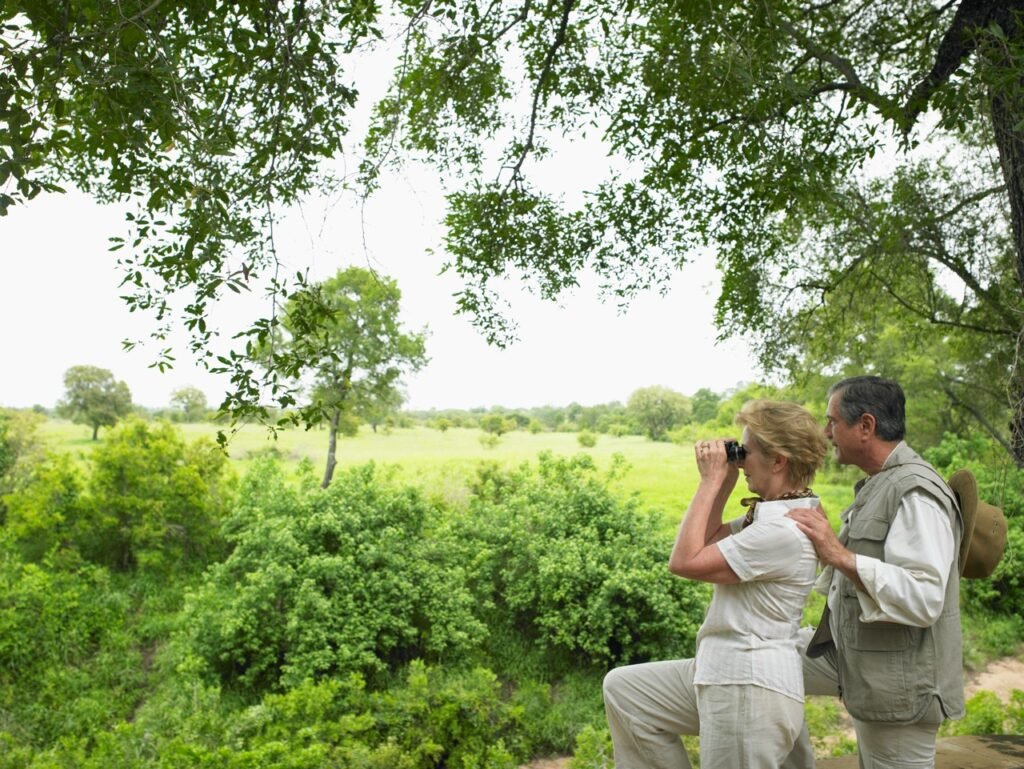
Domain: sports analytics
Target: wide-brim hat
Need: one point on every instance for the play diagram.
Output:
(984, 537)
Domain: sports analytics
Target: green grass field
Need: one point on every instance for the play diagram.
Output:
(663, 475)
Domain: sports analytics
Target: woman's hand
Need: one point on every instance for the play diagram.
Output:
(712, 463)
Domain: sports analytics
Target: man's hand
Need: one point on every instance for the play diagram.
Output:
(813, 523)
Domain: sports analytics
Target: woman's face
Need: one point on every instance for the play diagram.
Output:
(757, 467)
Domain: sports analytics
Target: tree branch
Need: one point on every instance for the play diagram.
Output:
(956, 45)
(853, 84)
(549, 60)
(976, 413)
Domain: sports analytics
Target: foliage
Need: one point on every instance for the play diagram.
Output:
(489, 440)
(51, 511)
(561, 565)
(190, 402)
(586, 439)
(328, 583)
(67, 666)
(356, 358)
(987, 714)
(750, 128)
(158, 501)
(551, 714)
(593, 749)
(147, 501)
(199, 131)
(704, 403)
(657, 410)
(758, 131)
(496, 424)
(93, 397)
(20, 449)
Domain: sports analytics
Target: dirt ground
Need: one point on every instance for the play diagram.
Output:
(1001, 677)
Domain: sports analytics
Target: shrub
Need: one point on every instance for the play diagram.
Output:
(68, 668)
(324, 583)
(593, 749)
(158, 501)
(985, 715)
(586, 439)
(51, 509)
(561, 565)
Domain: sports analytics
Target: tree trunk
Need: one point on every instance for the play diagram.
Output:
(1007, 111)
(332, 446)
(95, 431)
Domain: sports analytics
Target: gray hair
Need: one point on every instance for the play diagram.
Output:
(882, 398)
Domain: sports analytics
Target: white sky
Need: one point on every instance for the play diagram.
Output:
(61, 308)
(60, 303)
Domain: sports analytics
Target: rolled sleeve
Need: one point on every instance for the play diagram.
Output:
(909, 585)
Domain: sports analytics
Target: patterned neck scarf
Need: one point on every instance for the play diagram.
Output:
(751, 502)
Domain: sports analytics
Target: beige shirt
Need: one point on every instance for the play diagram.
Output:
(749, 633)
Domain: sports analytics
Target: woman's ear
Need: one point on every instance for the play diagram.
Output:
(779, 463)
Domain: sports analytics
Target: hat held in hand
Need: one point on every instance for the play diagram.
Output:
(984, 538)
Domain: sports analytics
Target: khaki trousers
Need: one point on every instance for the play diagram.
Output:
(879, 745)
(741, 727)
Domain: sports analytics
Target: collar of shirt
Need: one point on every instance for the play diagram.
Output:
(777, 508)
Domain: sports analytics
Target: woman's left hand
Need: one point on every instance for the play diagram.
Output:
(712, 462)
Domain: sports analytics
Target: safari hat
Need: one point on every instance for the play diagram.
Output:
(984, 537)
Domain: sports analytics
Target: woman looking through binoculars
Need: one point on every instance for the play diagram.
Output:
(743, 692)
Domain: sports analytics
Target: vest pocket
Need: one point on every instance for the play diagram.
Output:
(879, 636)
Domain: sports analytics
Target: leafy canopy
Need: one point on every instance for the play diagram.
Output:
(756, 129)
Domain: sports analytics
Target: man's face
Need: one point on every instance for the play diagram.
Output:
(842, 436)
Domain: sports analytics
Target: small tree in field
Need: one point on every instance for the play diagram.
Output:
(93, 397)
(658, 409)
(359, 358)
(191, 402)
(496, 424)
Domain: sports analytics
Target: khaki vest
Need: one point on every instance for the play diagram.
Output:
(887, 671)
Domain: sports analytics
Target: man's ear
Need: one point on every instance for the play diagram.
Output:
(867, 424)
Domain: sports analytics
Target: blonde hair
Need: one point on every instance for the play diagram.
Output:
(789, 430)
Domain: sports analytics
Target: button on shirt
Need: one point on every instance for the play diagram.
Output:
(749, 633)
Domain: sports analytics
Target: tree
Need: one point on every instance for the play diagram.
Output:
(93, 397)
(752, 128)
(191, 402)
(496, 424)
(359, 358)
(200, 115)
(378, 406)
(705, 405)
(658, 409)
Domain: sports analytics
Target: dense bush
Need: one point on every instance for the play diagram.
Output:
(51, 510)
(158, 500)
(432, 718)
(987, 714)
(330, 582)
(146, 500)
(563, 567)
(66, 666)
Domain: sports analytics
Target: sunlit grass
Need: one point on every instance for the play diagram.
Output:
(662, 475)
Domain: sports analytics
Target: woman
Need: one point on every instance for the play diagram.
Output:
(743, 693)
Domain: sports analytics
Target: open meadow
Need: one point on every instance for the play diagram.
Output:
(663, 475)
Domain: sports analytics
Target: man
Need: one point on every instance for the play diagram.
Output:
(888, 643)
